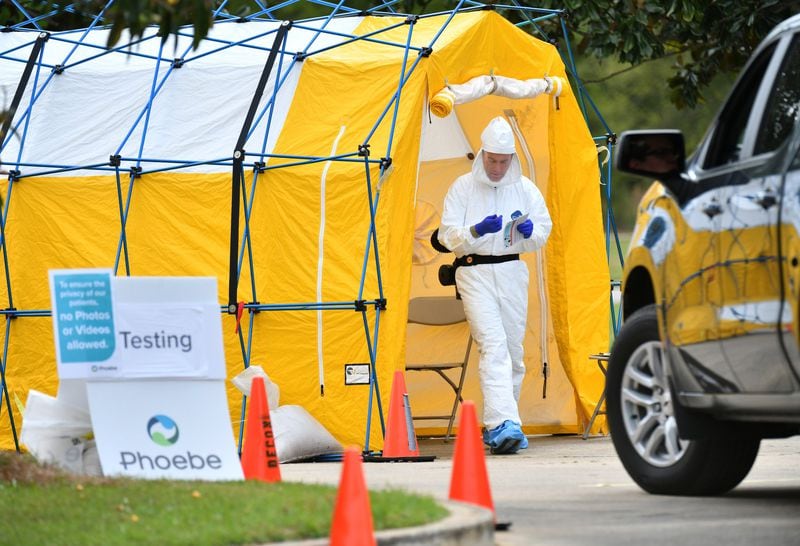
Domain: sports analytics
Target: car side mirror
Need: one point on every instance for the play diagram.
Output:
(659, 154)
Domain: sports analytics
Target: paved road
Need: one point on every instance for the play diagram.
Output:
(567, 491)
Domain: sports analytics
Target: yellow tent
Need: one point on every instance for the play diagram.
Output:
(322, 289)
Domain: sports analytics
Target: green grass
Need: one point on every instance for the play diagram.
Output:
(61, 510)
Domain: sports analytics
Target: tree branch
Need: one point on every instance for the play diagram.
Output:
(632, 67)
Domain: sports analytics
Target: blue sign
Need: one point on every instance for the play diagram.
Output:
(83, 317)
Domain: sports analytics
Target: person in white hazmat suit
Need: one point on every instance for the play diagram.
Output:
(479, 215)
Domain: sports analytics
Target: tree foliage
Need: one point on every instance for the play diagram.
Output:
(703, 38)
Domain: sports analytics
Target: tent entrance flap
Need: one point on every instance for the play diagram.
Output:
(543, 409)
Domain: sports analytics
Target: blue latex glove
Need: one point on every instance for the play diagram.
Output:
(526, 228)
(490, 224)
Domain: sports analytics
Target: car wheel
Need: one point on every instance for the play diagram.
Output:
(643, 428)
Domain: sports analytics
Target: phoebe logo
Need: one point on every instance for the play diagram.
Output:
(162, 430)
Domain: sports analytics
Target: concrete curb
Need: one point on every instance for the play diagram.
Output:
(467, 525)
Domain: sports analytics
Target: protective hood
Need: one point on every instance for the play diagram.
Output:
(498, 137)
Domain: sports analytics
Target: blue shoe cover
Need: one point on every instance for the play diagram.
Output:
(524, 443)
(506, 438)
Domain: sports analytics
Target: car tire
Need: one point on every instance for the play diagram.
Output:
(643, 426)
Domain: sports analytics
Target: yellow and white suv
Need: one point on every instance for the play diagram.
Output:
(706, 363)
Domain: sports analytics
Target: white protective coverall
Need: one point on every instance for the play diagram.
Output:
(495, 295)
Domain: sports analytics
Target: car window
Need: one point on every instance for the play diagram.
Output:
(726, 142)
(784, 101)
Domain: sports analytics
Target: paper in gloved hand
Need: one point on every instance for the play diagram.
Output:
(510, 232)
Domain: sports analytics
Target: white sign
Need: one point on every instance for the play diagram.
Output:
(164, 429)
(136, 327)
(148, 353)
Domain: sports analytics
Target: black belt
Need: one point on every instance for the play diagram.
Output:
(478, 259)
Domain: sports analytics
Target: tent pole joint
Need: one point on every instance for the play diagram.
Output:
(425, 51)
(251, 307)
(361, 305)
(363, 150)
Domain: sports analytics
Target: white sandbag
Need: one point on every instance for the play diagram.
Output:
(299, 436)
(64, 452)
(55, 432)
(91, 459)
(243, 380)
(43, 408)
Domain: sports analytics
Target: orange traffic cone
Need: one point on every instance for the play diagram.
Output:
(401, 440)
(470, 481)
(259, 457)
(352, 516)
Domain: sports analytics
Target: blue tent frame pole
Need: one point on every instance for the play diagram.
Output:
(4, 391)
(35, 54)
(4, 243)
(374, 385)
(122, 245)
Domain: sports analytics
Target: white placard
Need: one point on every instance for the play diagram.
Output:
(175, 429)
(110, 327)
(168, 340)
(167, 327)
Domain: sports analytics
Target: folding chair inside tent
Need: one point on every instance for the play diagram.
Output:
(441, 311)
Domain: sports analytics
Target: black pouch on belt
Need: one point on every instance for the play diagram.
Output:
(478, 259)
